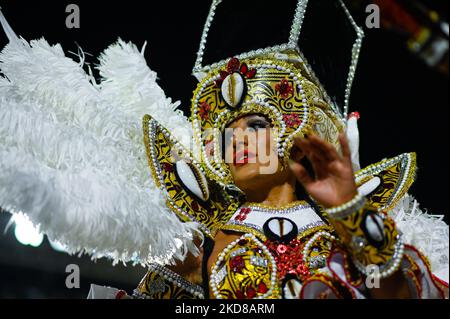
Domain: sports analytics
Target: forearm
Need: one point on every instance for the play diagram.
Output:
(374, 245)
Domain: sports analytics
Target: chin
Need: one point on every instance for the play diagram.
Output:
(249, 177)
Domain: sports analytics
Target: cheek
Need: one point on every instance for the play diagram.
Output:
(267, 146)
(228, 155)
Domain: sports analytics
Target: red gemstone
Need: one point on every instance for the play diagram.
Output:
(223, 75)
(167, 167)
(262, 288)
(233, 65)
(242, 242)
(204, 110)
(250, 74)
(302, 269)
(354, 114)
(244, 68)
(240, 295)
(284, 88)
(237, 264)
(281, 249)
(292, 120)
(251, 292)
(194, 206)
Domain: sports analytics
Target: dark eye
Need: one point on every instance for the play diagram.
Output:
(257, 124)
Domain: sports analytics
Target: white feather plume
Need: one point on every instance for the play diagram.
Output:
(353, 141)
(428, 233)
(72, 156)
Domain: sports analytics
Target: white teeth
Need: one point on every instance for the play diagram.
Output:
(241, 158)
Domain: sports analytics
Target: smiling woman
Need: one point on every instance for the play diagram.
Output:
(272, 203)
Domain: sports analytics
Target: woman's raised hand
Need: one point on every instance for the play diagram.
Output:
(333, 183)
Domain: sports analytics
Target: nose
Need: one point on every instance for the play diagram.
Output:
(239, 139)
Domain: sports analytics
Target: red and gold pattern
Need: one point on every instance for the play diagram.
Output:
(245, 271)
(289, 259)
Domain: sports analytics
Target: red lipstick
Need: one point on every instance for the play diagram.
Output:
(243, 157)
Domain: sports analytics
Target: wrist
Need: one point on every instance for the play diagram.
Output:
(353, 204)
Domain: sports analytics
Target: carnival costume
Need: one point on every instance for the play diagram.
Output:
(72, 160)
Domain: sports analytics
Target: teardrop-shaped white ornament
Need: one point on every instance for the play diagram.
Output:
(292, 289)
(375, 227)
(369, 186)
(281, 227)
(233, 89)
(193, 179)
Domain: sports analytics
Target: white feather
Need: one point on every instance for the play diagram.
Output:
(428, 233)
(72, 156)
(353, 141)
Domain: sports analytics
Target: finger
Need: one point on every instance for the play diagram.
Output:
(303, 145)
(346, 153)
(301, 173)
(308, 148)
(315, 155)
(319, 166)
(321, 153)
(296, 154)
(326, 148)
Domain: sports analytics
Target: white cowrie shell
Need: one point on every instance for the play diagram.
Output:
(369, 186)
(189, 176)
(375, 227)
(233, 89)
(292, 289)
(281, 227)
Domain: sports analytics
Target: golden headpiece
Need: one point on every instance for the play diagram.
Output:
(276, 82)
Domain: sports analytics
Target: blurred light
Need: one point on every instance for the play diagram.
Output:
(58, 246)
(26, 233)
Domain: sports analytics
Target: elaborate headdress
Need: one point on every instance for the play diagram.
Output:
(277, 82)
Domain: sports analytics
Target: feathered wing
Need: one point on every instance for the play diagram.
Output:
(72, 156)
(428, 233)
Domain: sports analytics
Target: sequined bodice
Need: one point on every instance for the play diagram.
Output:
(280, 249)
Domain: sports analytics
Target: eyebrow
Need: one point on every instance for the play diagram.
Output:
(256, 116)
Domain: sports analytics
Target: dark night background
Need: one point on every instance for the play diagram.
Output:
(403, 106)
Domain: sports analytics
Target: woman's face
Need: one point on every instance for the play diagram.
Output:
(250, 152)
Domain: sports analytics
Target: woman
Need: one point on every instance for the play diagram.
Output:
(306, 226)
(281, 205)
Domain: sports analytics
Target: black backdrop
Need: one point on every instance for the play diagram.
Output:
(404, 105)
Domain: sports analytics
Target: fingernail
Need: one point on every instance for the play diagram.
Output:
(291, 162)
